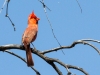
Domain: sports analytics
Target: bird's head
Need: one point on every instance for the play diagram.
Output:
(33, 18)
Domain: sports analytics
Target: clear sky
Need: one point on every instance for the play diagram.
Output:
(69, 25)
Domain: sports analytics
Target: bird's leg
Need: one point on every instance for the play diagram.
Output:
(33, 46)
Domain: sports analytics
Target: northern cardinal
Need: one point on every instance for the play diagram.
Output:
(29, 36)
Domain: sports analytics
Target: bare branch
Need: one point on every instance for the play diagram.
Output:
(3, 5)
(47, 59)
(50, 24)
(68, 66)
(8, 15)
(51, 61)
(57, 61)
(11, 46)
(37, 73)
(71, 46)
(91, 40)
(79, 5)
(78, 68)
(44, 5)
(56, 68)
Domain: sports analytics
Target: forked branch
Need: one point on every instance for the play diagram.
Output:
(8, 15)
(52, 61)
(73, 44)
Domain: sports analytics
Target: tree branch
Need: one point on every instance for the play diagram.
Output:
(51, 61)
(56, 68)
(3, 5)
(11, 46)
(44, 6)
(78, 68)
(8, 15)
(7, 51)
(71, 46)
(91, 40)
(79, 5)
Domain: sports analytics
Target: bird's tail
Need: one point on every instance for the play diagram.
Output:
(29, 55)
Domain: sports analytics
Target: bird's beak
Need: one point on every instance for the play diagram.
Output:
(38, 18)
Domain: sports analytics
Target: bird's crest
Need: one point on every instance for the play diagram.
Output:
(33, 16)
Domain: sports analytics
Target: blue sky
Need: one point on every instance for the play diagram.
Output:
(69, 25)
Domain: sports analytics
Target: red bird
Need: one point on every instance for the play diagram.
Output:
(29, 36)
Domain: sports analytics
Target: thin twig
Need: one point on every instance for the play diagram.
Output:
(8, 15)
(92, 40)
(44, 5)
(3, 5)
(33, 45)
(22, 60)
(79, 5)
(51, 25)
(78, 68)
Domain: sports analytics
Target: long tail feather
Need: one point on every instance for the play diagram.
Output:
(29, 55)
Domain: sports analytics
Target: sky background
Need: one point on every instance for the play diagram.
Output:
(69, 25)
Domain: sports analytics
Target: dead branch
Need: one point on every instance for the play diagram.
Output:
(10, 46)
(7, 51)
(91, 40)
(44, 6)
(71, 46)
(52, 61)
(56, 68)
(3, 6)
(8, 15)
(78, 68)
(79, 5)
